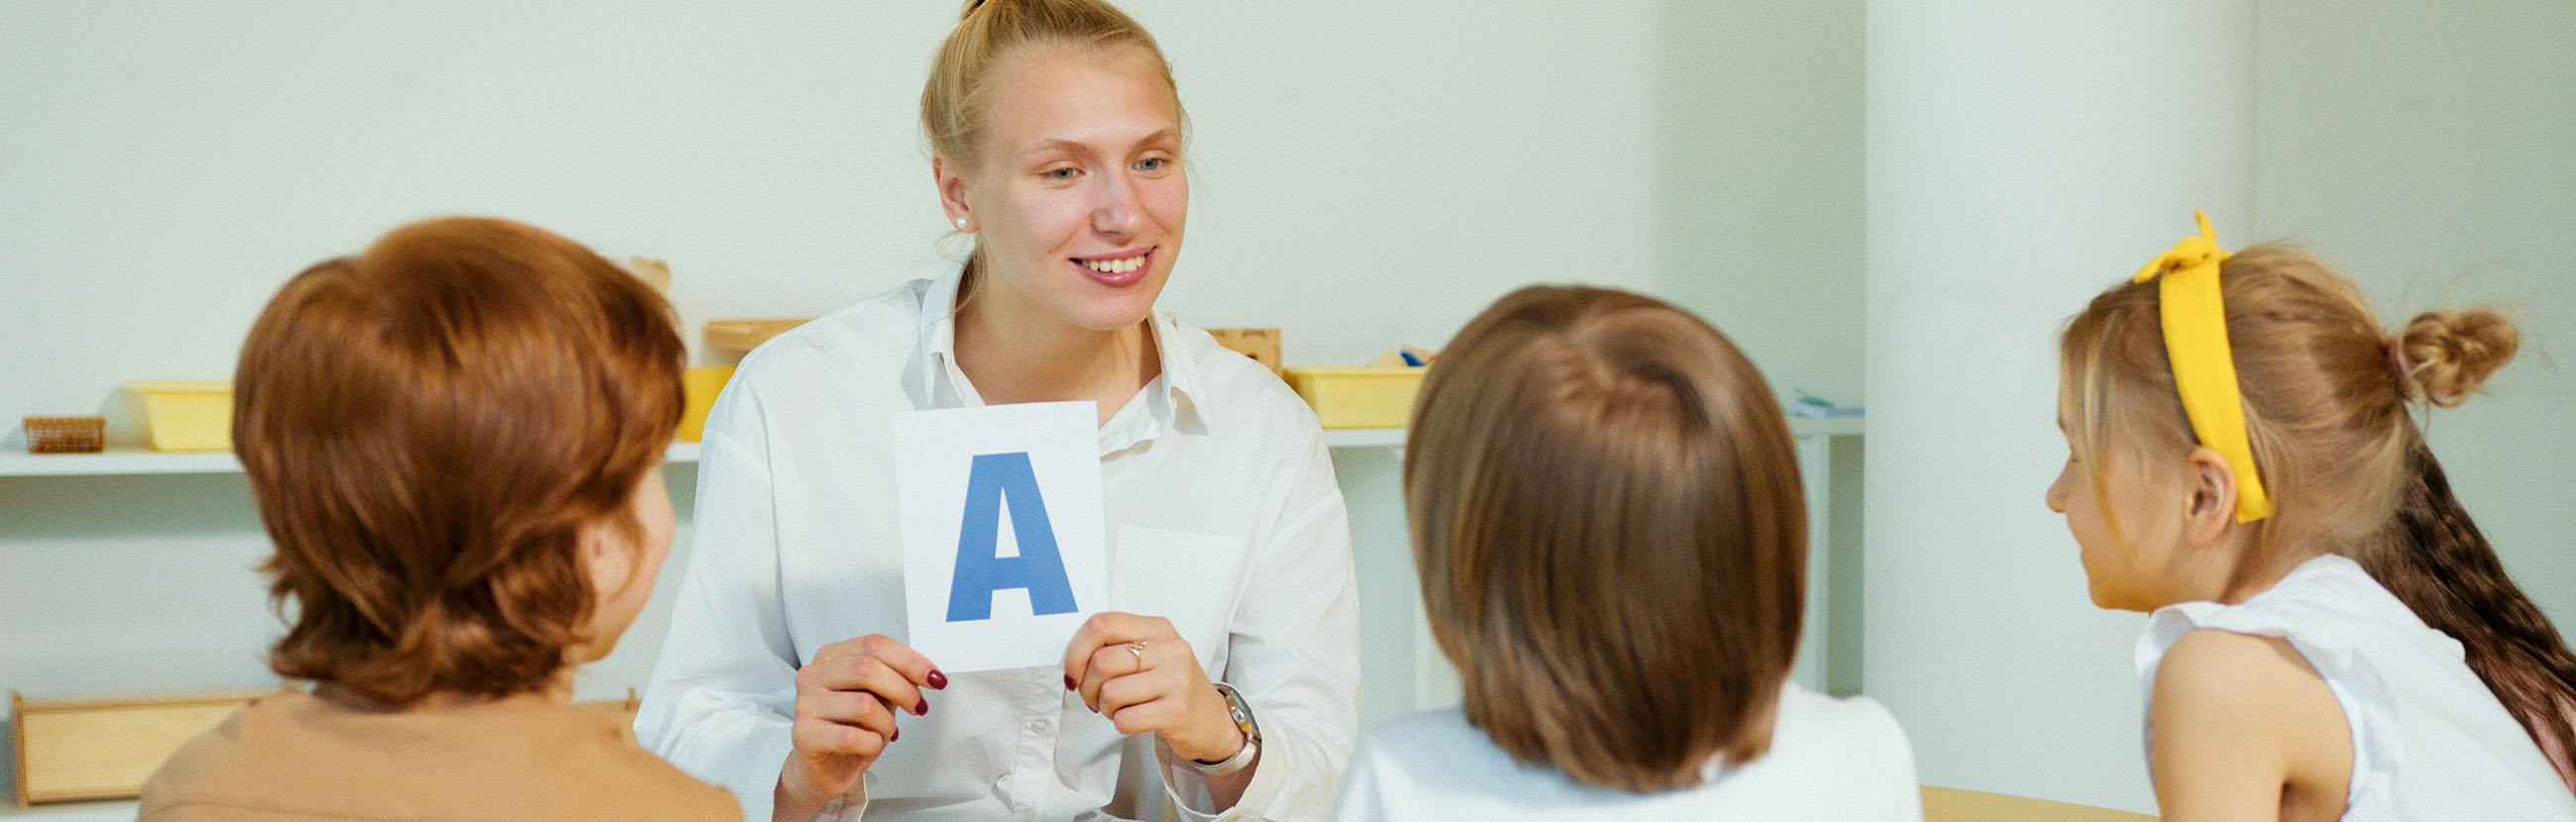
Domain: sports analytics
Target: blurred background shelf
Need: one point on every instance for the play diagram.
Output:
(129, 460)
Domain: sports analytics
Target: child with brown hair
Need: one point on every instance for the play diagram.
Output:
(1611, 537)
(2332, 637)
(456, 439)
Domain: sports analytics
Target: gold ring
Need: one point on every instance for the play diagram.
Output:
(1138, 648)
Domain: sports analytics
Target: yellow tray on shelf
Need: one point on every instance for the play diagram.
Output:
(187, 415)
(1358, 396)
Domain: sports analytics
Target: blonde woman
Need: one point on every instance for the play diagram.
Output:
(1224, 681)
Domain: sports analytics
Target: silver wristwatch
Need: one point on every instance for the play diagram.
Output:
(1242, 715)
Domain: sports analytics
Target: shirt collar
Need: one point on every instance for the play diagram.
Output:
(1172, 401)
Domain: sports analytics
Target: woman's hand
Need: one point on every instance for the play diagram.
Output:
(1140, 673)
(846, 700)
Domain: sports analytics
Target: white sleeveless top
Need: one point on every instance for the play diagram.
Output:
(2429, 741)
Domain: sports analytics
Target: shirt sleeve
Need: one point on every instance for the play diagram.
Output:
(723, 691)
(1294, 656)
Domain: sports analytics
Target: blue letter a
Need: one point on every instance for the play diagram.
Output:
(980, 568)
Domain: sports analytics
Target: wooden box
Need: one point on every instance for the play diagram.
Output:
(745, 335)
(66, 435)
(1261, 344)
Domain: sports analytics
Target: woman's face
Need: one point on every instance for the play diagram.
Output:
(1079, 199)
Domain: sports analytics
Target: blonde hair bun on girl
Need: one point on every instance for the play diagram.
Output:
(2451, 353)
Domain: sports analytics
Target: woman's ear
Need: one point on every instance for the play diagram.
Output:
(2210, 509)
(950, 176)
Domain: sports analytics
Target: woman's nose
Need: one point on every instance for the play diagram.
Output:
(1118, 211)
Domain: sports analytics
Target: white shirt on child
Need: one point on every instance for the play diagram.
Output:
(1843, 760)
(1223, 516)
(2429, 741)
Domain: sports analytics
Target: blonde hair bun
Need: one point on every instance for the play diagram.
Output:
(2451, 353)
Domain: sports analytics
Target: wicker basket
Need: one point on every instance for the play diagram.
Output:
(66, 435)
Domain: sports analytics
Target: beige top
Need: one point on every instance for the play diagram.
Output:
(294, 756)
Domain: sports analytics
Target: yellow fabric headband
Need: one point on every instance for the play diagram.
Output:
(2204, 368)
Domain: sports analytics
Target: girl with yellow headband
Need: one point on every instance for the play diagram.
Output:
(2332, 637)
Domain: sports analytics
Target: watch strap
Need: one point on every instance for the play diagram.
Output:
(1241, 713)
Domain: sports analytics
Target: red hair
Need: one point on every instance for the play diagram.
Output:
(428, 426)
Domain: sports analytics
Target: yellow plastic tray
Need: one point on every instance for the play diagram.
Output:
(184, 415)
(1356, 396)
(701, 384)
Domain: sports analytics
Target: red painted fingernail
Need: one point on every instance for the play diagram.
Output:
(938, 681)
(921, 708)
(898, 734)
(1068, 682)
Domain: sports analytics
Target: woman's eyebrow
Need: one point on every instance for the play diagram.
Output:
(1164, 135)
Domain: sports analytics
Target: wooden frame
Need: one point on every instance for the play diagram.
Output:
(81, 750)
(73, 750)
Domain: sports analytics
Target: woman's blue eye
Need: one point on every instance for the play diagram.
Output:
(1151, 164)
(1060, 173)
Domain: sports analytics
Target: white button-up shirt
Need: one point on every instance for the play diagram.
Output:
(1223, 517)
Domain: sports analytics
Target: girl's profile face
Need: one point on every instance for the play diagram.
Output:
(2127, 550)
(647, 506)
(1080, 197)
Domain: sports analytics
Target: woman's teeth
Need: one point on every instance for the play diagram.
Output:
(1119, 266)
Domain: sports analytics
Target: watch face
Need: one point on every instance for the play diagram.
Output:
(1240, 713)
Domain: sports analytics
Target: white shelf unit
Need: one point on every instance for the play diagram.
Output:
(1364, 438)
(1800, 427)
(135, 461)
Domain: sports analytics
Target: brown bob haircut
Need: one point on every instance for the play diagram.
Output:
(1611, 535)
(429, 426)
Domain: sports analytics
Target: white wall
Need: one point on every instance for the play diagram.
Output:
(2430, 152)
(2022, 157)
(1758, 186)
(1366, 174)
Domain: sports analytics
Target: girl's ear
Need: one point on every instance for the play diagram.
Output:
(607, 557)
(2210, 508)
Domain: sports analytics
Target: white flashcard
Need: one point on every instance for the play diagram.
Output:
(1004, 548)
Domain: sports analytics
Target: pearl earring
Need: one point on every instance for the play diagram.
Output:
(961, 223)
